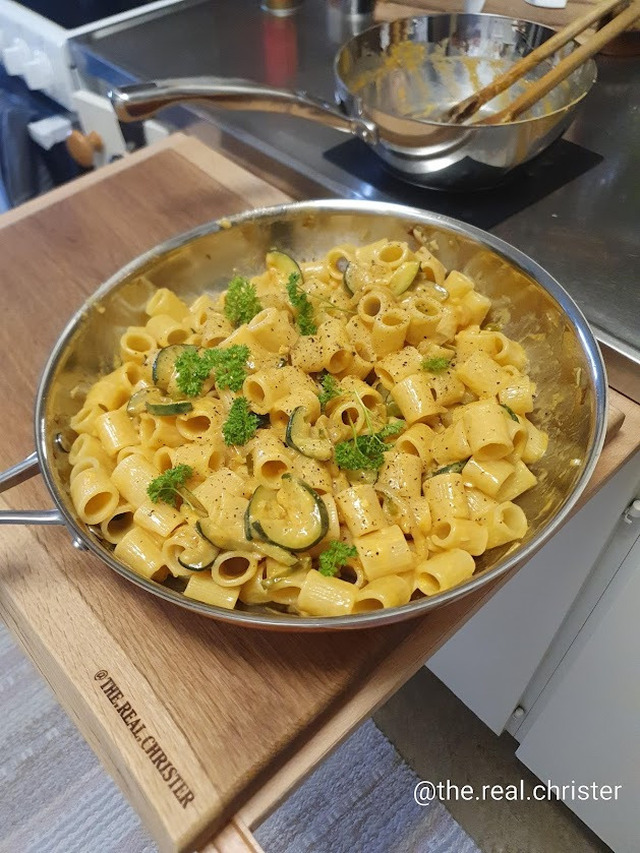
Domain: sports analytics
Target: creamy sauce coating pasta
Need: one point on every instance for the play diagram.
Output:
(390, 362)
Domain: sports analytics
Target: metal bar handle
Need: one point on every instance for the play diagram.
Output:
(142, 100)
(15, 475)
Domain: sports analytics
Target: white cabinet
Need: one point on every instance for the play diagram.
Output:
(491, 660)
(585, 726)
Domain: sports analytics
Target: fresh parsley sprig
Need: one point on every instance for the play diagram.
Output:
(230, 366)
(300, 301)
(436, 365)
(167, 486)
(330, 389)
(366, 452)
(193, 368)
(241, 303)
(241, 423)
(334, 557)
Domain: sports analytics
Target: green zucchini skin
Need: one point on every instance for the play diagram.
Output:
(164, 365)
(169, 407)
(283, 262)
(298, 437)
(287, 533)
(403, 277)
(348, 279)
(267, 549)
(152, 400)
(196, 563)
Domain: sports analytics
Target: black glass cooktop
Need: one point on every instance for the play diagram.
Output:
(76, 13)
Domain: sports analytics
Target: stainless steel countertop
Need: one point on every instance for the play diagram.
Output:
(575, 210)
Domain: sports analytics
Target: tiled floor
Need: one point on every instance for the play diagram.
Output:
(442, 739)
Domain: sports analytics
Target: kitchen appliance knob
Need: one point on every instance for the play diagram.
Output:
(15, 57)
(38, 72)
(82, 148)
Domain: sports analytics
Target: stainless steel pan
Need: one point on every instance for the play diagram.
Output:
(565, 363)
(393, 81)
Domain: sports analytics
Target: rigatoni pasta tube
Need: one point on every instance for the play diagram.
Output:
(519, 481)
(121, 522)
(165, 301)
(446, 496)
(360, 510)
(132, 477)
(202, 587)
(535, 444)
(203, 422)
(272, 329)
(415, 400)
(387, 591)
(158, 431)
(215, 330)
(505, 523)
(417, 440)
(388, 331)
(159, 518)
(140, 551)
(450, 533)
(88, 446)
(337, 351)
(115, 431)
(444, 571)
(402, 474)
(487, 430)
(397, 365)
(487, 475)
(166, 330)
(94, 495)
(482, 375)
(136, 344)
(324, 596)
(384, 552)
(234, 568)
(451, 445)
(270, 458)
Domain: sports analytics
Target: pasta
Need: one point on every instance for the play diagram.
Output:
(329, 437)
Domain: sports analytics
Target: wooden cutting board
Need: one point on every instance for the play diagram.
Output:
(195, 720)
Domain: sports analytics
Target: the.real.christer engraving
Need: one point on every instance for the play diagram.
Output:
(148, 743)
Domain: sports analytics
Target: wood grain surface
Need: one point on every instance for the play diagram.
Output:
(196, 720)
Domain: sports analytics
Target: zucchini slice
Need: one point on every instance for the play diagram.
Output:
(293, 517)
(285, 264)
(362, 476)
(200, 555)
(192, 501)
(153, 401)
(403, 277)
(163, 371)
(206, 530)
(393, 410)
(304, 438)
(349, 278)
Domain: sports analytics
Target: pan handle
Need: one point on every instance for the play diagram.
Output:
(142, 100)
(15, 475)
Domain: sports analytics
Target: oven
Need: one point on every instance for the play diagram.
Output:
(41, 100)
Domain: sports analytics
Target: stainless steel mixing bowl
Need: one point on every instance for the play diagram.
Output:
(565, 364)
(394, 80)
